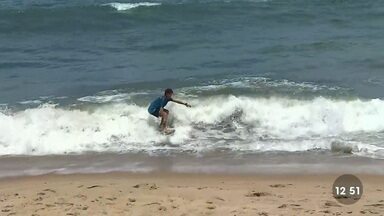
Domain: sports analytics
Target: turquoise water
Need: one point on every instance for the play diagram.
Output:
(262, 76)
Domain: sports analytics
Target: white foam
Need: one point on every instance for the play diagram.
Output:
(31, 102)
(110, 96)
(120, 97)
(236, 123)
(127, 6)
(257, 83)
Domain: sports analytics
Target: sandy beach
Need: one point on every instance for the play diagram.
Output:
(183, 194)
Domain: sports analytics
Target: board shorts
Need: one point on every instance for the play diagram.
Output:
(156, 113)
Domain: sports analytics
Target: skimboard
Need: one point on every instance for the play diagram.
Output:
(168, 131)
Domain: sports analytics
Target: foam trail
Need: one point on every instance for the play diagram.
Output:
(230, 122)
(127, 6)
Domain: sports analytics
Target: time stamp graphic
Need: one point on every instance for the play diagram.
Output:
(347, 189)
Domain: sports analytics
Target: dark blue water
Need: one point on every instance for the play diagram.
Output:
(72, 48)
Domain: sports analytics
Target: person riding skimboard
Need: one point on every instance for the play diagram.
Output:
(156, 108)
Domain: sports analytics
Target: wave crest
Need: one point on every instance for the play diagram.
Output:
(127, 6)
(227, 122)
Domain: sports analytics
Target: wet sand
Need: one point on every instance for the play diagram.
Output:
(183, 194)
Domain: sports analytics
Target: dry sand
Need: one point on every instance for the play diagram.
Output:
(183, 194)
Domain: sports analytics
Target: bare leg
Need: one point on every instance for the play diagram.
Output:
(164, 119)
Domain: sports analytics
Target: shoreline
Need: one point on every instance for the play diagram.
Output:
(217, 163)
(121, 193)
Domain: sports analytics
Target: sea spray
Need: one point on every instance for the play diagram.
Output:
(232, 122)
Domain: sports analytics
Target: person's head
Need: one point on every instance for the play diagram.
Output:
(168, 93)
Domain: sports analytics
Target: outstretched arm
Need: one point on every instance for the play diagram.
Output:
(180, 102)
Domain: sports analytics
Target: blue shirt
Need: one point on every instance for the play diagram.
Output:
(158, 103)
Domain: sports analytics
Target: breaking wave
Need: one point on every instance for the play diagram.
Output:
(128, 6)
(234, 123)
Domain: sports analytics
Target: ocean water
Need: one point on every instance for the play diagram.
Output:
(273, 84)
